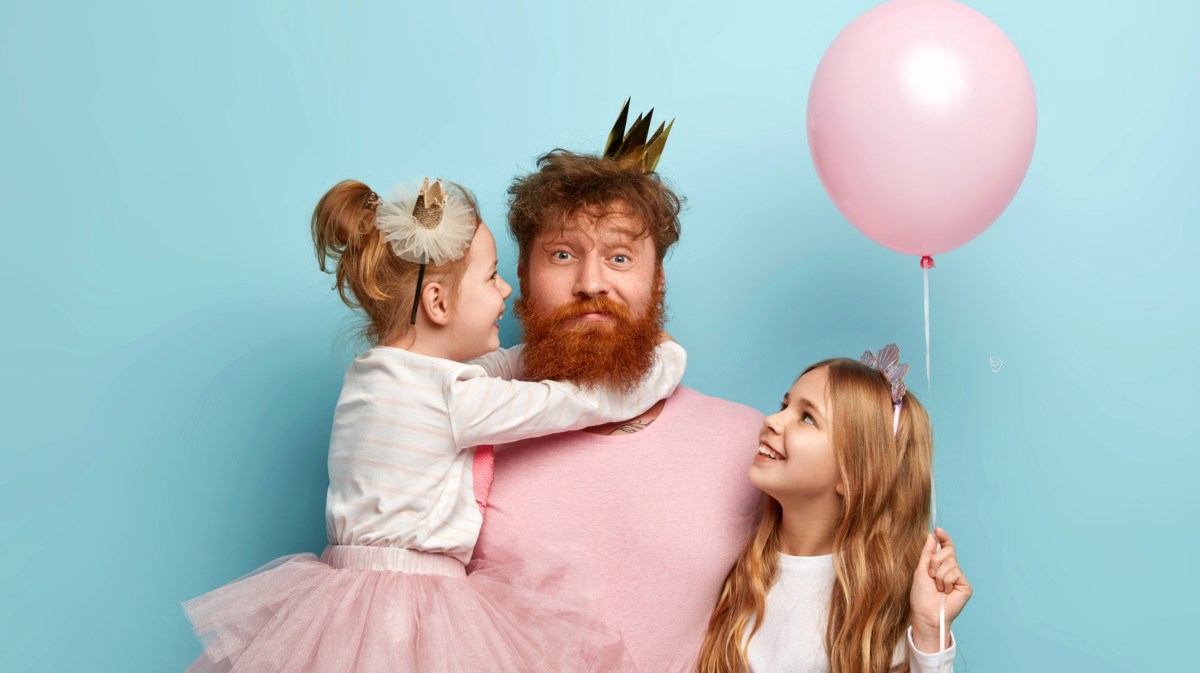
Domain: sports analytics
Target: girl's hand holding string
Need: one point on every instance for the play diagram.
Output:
(937, 575)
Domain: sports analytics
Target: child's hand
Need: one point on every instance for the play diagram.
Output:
(937, 575)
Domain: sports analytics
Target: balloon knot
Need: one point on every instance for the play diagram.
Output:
(926, 262)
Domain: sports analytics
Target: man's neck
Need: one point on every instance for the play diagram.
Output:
(636, 424)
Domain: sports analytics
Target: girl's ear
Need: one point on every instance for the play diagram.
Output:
(840, 489)
(435, 303)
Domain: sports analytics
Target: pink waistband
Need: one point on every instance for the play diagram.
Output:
(358, 557)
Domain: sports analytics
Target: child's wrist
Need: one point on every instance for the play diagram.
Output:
(925, 636)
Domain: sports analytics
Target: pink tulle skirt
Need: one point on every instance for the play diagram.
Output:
(387, 610)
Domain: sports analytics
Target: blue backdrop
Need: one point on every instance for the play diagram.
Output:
(172, 354)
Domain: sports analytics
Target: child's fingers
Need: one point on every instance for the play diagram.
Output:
(926, 554)
(939, 558)
(942, 578)
(943, 538)
(930, 546)
(953, 579)
(942, 555)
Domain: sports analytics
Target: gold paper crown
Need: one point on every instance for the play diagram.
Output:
(633, 147)
(431, 201)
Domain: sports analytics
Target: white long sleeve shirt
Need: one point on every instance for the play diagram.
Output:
(401, 450)
(792, 637)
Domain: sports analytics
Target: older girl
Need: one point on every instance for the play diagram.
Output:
(841, 575)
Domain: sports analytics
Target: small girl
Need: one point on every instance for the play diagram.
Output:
(828, 581)
(406, 490)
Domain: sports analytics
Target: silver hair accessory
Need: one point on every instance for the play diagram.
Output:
(887, 360)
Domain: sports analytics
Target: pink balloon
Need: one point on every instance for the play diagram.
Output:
(921, 124)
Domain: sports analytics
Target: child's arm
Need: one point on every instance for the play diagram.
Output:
(486, 410)
(937, 576)
(928, 662)
(504, 363)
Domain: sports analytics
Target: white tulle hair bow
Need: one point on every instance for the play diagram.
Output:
(433, 227)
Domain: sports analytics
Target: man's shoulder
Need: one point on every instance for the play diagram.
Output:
(696, 407)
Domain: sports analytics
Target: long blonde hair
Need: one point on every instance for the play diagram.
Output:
(885, 512)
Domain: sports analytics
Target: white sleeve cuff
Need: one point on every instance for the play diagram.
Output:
(922, 662)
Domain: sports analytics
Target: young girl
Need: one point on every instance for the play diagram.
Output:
(828, 581)
(390, 593)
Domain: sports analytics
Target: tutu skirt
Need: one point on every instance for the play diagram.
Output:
(388, 610)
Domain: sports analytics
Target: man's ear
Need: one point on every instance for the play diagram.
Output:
(520, 270)
(435, 303)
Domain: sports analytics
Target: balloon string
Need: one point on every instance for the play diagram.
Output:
(928, 379)
(941, 630)
(926, 263)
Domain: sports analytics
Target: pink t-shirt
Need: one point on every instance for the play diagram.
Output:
(651, 522)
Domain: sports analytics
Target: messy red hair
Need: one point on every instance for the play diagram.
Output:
(567, 184)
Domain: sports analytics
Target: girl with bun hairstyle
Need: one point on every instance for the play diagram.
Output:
(409, 469)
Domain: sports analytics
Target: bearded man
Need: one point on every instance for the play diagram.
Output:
(651, 512)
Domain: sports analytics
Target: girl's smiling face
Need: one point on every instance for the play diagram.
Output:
(478, 302)
(796, 461)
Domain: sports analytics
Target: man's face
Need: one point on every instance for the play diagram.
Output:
(591, 303)
(591, 258)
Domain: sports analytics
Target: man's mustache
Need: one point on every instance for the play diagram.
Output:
(591, 305)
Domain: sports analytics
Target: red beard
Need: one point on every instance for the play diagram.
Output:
(614, 354)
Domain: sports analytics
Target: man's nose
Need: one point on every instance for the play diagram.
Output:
(592, 279)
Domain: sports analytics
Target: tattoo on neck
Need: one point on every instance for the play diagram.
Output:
(631, 427)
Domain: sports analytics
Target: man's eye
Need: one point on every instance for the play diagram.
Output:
(561, 255)
(620, 259)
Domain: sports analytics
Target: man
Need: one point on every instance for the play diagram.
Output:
(649, 513)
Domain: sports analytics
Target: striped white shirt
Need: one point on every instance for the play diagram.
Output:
(400, 454)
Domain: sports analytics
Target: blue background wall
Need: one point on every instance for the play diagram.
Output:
(171, 354)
